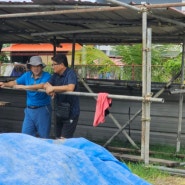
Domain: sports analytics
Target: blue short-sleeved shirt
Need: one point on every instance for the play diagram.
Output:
(35, 98)
(68, 77)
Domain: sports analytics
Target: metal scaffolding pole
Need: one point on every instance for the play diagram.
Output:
(114, 96)
(147, 105)
(146, 90)
(73, 52)
(144, 81)
(181, 97)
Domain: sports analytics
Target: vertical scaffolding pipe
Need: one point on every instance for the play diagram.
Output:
(54, 45)
(144, 79)
(73, 52)
(84, 62)
(181, 97)
(148, 93)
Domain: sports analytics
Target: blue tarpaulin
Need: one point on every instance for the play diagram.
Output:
(27, 160)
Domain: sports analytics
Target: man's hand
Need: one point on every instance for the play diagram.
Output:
(2, 84)
(49, 89)
(8, 84)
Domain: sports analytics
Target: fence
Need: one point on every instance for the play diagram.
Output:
(122, 72)
(115, 72)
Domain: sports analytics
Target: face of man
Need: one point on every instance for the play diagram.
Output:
(36, 70)
(58, 68)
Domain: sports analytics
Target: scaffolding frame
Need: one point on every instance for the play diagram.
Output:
(146, 67)
(146, 77)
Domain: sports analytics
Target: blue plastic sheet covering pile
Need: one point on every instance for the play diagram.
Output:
(26, 160)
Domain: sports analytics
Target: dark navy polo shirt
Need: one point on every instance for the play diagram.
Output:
(68, 77)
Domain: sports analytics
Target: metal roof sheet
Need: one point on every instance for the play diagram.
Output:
(50, 21)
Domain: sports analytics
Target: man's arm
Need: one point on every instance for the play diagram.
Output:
(14, 84)
(30, 87)
(8, 84)
(62, 88)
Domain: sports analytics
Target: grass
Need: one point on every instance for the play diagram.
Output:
(162, 152)
(149, 174)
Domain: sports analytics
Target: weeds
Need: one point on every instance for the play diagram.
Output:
(149, 174)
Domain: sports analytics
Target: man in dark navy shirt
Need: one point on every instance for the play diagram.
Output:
(64, 79)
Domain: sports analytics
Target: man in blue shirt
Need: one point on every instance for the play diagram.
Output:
(38, 112)
(64, 79)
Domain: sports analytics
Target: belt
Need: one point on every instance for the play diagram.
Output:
(34, 107)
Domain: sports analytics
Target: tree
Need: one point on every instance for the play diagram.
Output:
(132, 54)
(162, 67)
(94, 61)
(3, 58)
(173, 65)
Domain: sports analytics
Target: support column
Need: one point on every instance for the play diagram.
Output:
(146, 88)
(181, 98)
(73, 52)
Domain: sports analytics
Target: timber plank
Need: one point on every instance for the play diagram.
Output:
(135, 158)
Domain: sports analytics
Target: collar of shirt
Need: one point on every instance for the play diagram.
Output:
(64, 73)
(32, 76)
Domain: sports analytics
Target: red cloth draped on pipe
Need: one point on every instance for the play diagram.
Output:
(103, 103)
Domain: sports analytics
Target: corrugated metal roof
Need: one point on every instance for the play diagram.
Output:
(85, 22)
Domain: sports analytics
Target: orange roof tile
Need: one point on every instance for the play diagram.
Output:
(40, 47)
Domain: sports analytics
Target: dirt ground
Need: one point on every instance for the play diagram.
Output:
(171, 180)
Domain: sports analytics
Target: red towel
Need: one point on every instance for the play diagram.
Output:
(102, 104)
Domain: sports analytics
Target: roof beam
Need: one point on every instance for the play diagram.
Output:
(58, 6)
(80, 6)
(151, 15)
(58, 12)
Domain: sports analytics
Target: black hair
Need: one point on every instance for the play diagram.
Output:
(60, 58)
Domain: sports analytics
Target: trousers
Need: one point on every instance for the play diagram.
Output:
(37, 121)
(65, 128)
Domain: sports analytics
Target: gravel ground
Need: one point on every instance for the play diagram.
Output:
(171, 180)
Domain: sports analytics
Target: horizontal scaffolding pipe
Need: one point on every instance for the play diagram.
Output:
(60, 12)
(177, 91)
(41, 6)
(121, 97)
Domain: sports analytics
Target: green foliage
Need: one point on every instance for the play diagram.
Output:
(94, 54)
(132, 54)
(3, 58)
(95, 59)
(48, 69)
(162, 68)
(6, 45)
(173, 66)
